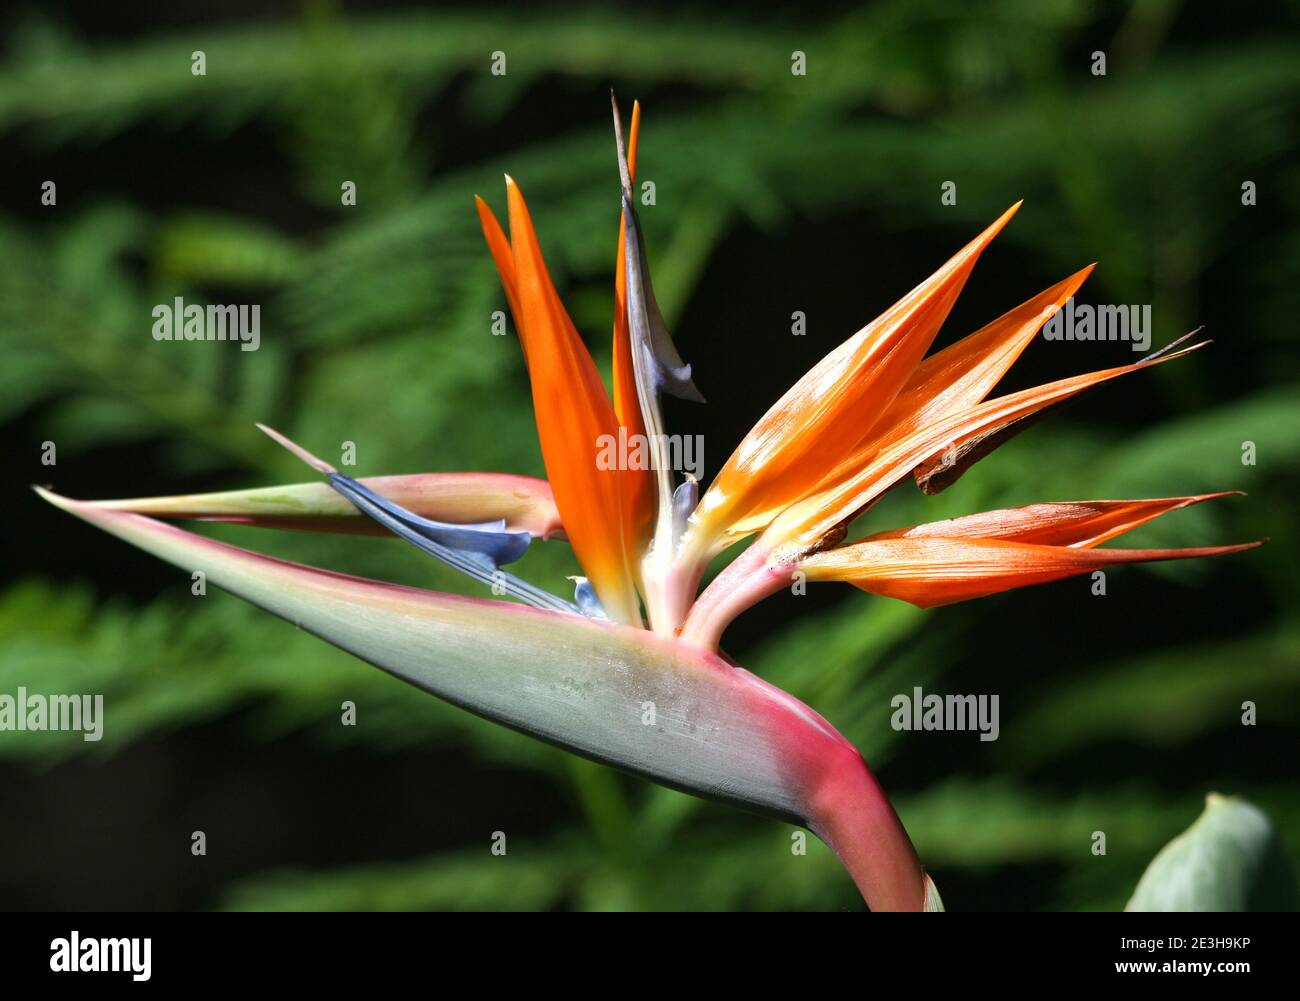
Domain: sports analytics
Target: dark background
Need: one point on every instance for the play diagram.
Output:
(775, 193)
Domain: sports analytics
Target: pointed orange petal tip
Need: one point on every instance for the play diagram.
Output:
(932, 571)
(981, 242)
(1079, 524)
(957, 268)
(633, 132)
(574, 416)
(993, 229)
(832, 409)
(942, 450)
(638, 485)
(962, 374)
(502, 257)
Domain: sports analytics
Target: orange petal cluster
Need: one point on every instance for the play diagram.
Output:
(604, 509)
(963, 558)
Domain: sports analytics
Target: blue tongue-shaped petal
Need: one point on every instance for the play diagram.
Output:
(585, 595)
(473, 550)
(488, 539)
(477, 550)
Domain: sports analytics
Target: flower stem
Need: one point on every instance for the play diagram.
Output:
(855, 818)
(748, 579)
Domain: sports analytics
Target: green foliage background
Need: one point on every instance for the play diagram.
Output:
(1118, 713)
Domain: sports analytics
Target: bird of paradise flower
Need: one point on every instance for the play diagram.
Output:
(640, 631)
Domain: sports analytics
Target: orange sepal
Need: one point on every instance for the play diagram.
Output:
(502, 255)
(860, 480)
(1078, 524)
(962, 374)
(627, 405)
(939, 571)
(833, 408)
(638, 483)
(573, 412)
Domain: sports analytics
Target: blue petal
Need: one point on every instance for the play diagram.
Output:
(487, 538)
(585, 595)
(471, 549)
